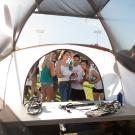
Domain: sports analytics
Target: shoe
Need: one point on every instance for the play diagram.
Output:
(62, 128)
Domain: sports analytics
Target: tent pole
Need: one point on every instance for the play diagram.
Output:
(17, 74)
(5, 90)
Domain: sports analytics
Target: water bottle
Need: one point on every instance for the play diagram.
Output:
(70, 67)
(70, 62)
(120, 98)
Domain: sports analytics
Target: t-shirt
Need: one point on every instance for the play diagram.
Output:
(80, 73)
(97, 85)
(65, 72)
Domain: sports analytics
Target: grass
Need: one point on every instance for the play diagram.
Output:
(88, 92)
(87, 88)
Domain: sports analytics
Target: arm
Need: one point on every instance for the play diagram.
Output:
(58, 69)
(52, 69)
(96, 75)
(33, 71)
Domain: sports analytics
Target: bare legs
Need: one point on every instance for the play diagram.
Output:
(47, 93)
(33, 86)
(98, 96)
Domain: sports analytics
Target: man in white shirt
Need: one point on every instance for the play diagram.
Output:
(77, 91)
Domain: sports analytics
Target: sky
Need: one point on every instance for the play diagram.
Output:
(44, 29)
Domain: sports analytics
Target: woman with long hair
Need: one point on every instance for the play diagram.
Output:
(47, 72)
(63, 73)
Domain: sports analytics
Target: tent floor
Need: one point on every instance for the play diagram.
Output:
(10, 124)
(107, 128)
(6, 114)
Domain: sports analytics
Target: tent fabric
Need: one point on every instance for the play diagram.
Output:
(22, 61)
(13, 17)
(78, 8)
(15, 14)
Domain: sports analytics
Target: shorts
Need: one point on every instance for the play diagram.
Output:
(77, 95)
(55, 83)
(98, 90)
(47, 84)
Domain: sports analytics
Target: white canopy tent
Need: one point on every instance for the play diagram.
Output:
(14, 20)
(16, 63)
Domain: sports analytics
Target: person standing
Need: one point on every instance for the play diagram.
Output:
(95, 79)
(133, 52)
(33, 78)
(63, 74)
(46, 77)
(77, 91)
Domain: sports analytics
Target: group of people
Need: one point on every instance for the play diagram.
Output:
(67, 73)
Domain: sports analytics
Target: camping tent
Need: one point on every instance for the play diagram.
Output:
(14, 66)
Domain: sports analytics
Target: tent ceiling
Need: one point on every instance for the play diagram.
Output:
(78, 8)
(14, 19)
